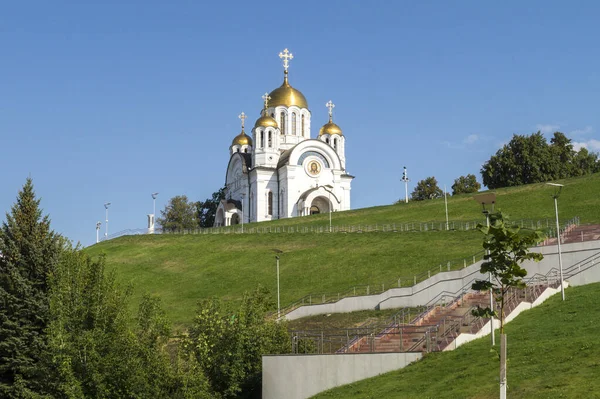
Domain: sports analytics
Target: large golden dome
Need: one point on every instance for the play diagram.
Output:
(242, 139)
(287, 95)
(330, 128)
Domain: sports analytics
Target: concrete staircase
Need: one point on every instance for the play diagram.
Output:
(438, 326)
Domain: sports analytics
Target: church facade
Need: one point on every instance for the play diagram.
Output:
(280, 171)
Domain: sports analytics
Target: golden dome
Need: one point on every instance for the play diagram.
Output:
(287, 95)
(266, 121)
(242, 139)
(330, 128)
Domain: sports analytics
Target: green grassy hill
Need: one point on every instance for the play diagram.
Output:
(546, 359)
(185, 268)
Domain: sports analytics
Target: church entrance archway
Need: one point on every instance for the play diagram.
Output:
(235, 219)
(319, 205)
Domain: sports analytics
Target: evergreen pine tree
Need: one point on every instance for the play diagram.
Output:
(29, 250)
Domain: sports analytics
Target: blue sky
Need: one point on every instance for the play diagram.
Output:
(115, 100)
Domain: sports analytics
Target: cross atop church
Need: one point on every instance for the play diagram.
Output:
(286, 56)
(243, 117)
(266, 99)
(331, 106)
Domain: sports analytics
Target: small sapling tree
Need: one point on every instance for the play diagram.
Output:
(507, 247)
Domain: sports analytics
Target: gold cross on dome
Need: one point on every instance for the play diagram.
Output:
(266, 99)
(331, 106)
(243, 117)
(286, 56)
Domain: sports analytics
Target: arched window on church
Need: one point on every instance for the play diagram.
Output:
(335, 144)
(270, 143)
(302, 125)
(327, 140)
(282, 123)
(261, 140)
(237, 150)
(294, 123)
(270, 203)
(273, 115)
(246, 150)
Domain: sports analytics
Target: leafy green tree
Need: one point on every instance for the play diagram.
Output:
(530, 159)
(229, 342)
(94, 351)
(426, 189)
(29, 252)
(179, 214)
(465, 185)
(507, 247)
(206, 210)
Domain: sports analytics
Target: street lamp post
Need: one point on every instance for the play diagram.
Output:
(243, 196)
(405, 180)
(278, 252)
(154, 195)
(558, 189)
(98, 224)
(106, 205)
(488, 199)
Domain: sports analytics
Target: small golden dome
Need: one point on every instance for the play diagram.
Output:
(330, 128)
(242, 139)
(287, 95)
(266, 121)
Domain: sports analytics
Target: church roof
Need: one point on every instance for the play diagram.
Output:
(286, 95)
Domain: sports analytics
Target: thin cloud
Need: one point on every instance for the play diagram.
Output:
(471, 139)
(467, 141)
(547, 129)
(591, 145)
(581, 132)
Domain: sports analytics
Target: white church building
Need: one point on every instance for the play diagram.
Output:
(281, 172)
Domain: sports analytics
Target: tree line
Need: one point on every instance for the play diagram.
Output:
(525, 159)
(65, 329)
(180, 213)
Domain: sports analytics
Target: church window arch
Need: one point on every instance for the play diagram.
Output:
(294, 123)
(261, 140)
(270, 143)
(282, 122)
(327, 140)
(302, 124)
(335, 144)
(270, 203)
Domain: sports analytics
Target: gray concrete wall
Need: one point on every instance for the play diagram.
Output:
(302, 376)
(446, 282)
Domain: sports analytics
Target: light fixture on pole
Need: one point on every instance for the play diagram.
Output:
(446, 203)
(243, 196)
(558, 189)
(98, 224)
(405, 179)
(154, 195)
(278, 252)
(490, 200)
(106, 205)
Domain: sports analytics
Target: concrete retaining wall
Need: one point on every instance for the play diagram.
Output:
(302, 376)
(449, 282)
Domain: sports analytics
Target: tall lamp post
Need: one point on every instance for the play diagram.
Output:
(154, 195)
(106, 205)
(490, 200)
(243, 196)
(405, 180)
(558, 189)
(278, 252)
(98, 224)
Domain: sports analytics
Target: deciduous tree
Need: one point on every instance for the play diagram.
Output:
(427, 189)
(465, 185)
(207, 210)
(179, 214)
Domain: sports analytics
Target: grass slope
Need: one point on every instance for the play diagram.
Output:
(185, 268)
(553, 352)
(181, 269)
